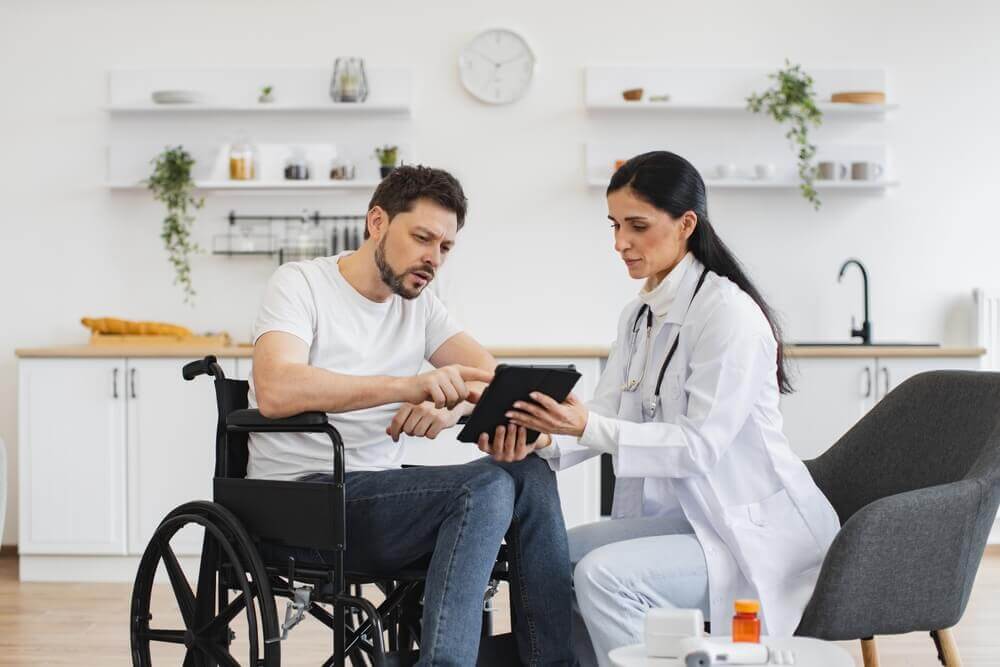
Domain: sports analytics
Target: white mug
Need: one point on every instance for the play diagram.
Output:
(725, 170)
(866, 171)
(831, 171)
(764, 171)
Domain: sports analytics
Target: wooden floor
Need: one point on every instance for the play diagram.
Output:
(87, 624)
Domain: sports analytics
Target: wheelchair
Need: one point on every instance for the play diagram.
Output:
(238, 580)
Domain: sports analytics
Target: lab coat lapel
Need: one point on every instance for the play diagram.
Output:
(679, 308)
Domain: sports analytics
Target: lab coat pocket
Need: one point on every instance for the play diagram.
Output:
(773, 539)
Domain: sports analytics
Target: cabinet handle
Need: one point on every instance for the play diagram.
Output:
(868, 383)
(132, 382)
(114, 383)
(885, 376)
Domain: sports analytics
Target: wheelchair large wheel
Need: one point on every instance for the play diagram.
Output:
(192, 626)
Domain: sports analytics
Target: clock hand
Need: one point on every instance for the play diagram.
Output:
(510, 60)
(485, 57)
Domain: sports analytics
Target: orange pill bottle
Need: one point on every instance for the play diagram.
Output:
(746, 624)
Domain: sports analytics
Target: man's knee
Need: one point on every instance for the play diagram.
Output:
(532, 476)
(491, 492)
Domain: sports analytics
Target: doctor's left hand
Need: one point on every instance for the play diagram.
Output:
(509, 443)
(548, 416)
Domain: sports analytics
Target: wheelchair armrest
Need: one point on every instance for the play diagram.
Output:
(252, 420)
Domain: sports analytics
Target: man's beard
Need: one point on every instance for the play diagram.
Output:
(393, 280)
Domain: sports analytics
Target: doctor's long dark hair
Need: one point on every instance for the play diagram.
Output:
(672, 184)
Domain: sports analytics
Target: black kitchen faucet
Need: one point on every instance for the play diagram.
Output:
(865, 332)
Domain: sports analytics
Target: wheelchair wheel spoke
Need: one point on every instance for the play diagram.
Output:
(225, 616)
(220, 655)
(182, 590)
(205, 601)
(168, 636)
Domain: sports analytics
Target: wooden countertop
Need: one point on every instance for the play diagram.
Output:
(882, 352)
(536, 351)
(193, 352)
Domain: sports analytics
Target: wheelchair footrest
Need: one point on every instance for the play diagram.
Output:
(295, 611)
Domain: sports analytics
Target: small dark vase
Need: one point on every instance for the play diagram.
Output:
(385, 170)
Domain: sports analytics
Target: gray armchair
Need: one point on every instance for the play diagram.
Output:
(916, 483)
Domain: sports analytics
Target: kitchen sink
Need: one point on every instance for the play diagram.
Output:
(853, 344)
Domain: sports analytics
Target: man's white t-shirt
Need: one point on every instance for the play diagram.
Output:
(350, 334)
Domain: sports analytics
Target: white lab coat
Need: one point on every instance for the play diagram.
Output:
(715, 451)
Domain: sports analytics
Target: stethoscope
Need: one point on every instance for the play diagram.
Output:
(631, 385)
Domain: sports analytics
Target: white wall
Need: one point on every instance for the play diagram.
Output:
(534, 264)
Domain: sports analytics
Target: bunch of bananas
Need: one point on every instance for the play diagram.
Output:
(115, 326)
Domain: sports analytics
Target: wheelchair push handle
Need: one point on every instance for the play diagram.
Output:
(207, 366)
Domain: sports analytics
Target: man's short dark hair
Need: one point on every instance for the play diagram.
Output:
(400, 190)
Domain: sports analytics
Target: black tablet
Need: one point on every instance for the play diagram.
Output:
(515, 383)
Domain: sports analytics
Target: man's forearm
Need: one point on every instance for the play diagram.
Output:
(288, 389)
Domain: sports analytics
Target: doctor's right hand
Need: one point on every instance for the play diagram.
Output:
(444, 387)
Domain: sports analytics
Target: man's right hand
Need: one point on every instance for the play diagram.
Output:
(444, 387)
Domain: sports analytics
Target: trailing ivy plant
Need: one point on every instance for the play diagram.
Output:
(171, 184)
(792, 100)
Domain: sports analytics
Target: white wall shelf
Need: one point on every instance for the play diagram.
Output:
(263, 186)
(270, 108)
(721, 89)
(235, 89)
(644, 107)
(742, 184)
(707, 157)
(129, 164)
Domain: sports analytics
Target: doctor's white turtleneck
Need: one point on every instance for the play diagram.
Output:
(601, 433)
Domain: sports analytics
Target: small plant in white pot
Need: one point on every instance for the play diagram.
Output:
(387, 156)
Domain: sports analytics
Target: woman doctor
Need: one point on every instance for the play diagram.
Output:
(710, 503)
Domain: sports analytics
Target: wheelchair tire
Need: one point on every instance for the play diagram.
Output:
(229, 562)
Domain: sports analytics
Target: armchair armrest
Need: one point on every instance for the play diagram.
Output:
(903, 563)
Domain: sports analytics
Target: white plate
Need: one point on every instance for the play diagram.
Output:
(177, 97)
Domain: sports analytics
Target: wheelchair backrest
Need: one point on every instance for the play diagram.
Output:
(231, 454)
(231, 449)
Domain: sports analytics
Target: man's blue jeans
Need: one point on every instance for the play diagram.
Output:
(459, 515)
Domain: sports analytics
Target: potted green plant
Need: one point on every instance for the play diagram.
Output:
(387, 156)
(171, 184)
(266, 94)
(792, 100)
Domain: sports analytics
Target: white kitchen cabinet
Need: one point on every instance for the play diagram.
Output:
(830, 396)
(243, 369)
(833, 393)
(171, 446)
(72, 453)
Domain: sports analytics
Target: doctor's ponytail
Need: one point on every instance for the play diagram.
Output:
(672, 184)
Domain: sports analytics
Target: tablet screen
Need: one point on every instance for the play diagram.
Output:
(513, 383)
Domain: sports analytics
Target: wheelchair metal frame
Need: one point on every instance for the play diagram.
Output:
(248, 511)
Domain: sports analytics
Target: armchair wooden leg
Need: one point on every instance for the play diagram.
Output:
(947, 648)
(869, 652)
